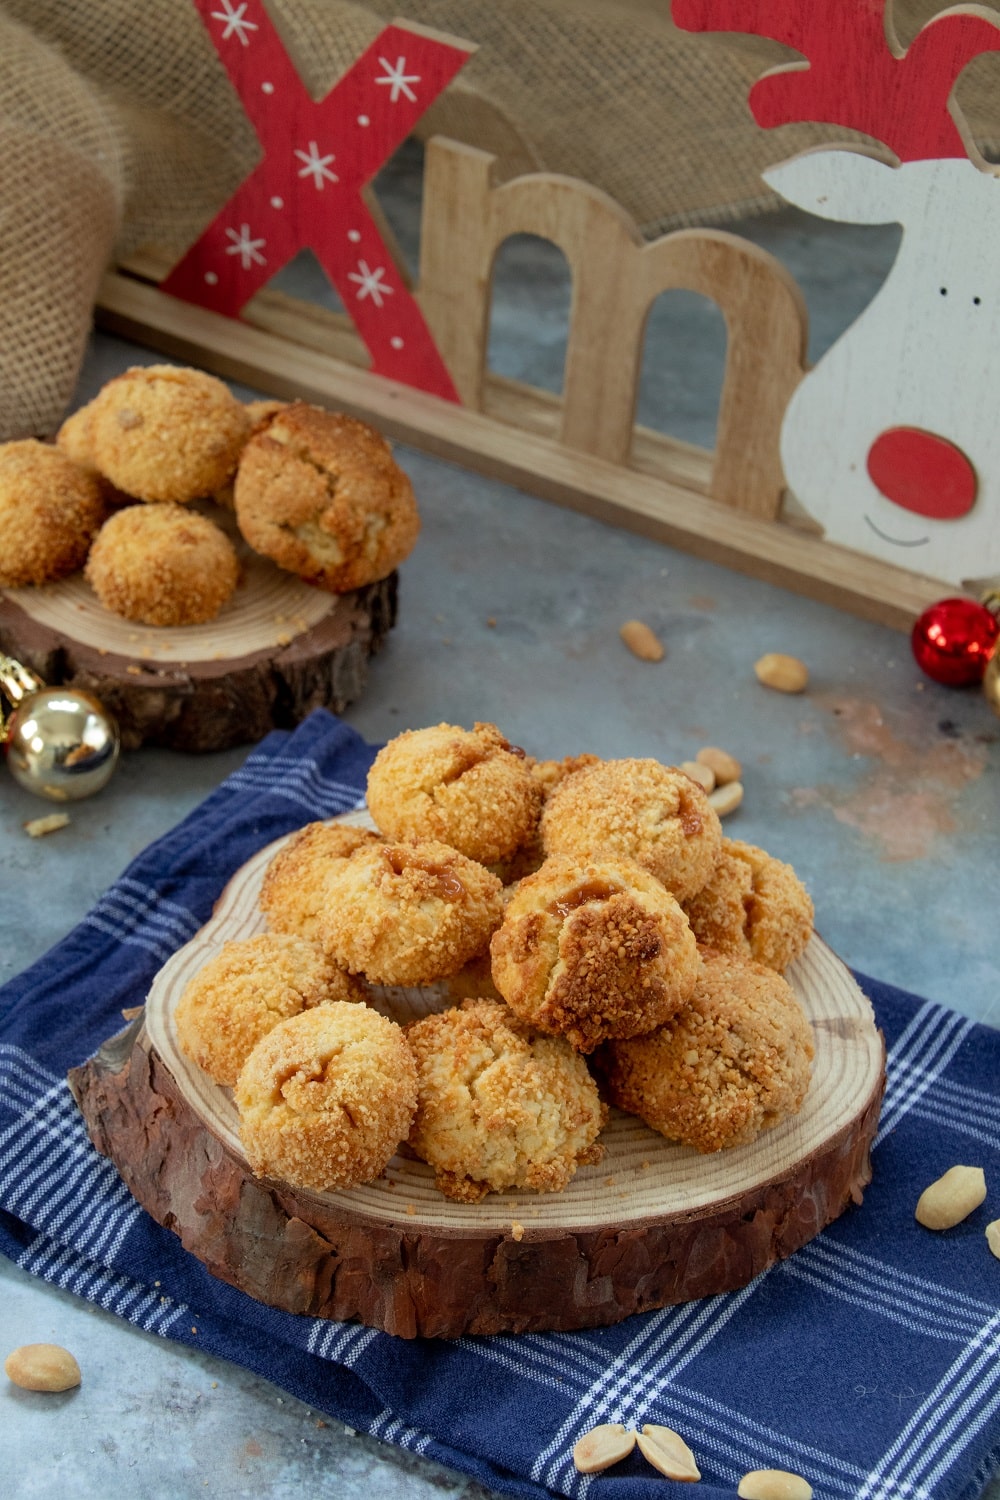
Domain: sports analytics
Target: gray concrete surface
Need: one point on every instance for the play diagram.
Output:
(881, 788)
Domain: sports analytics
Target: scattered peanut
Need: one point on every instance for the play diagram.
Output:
(667, 1451)
(42, 1367)
(602, 1446)
(786, 674)
(951, 1198)
(993, 1237)
(726, 799)
(773, 1484)
(724, 767)
(642, 641)
(37, 828)
(703, 775)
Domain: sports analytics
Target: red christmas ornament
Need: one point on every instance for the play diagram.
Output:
(954, 640)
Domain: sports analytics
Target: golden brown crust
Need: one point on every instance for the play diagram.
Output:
(257, 413)
(474, 980)
(753, 905)
(322, 495)
(500, 1106)
(50, 509)
(264, 407)
(245, 990)
(466, 787)
(326, 1097)
(293, 894)
(164, 433)
(75, 438)
(637, 810)
(408, 913)
(734, 1062)
(162, 565)
(594, 950)
(551, 773)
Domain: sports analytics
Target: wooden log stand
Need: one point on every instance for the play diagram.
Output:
(278, 649)
(653, 1224)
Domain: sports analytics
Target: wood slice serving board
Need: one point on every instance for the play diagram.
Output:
(277, 649)
(654, 1223)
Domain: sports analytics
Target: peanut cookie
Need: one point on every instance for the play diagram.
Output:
(321, 494)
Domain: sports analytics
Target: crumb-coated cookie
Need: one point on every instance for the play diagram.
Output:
(408, 913)
(293, 893)
(639, 810)
(594, 950)
(321, 494)
(165, 433)
(245, 990)
(470, 788)
(499, 1105)
(326, 1097)
(50, 509)
(734, 1062)
(162, 565)
(753, 905)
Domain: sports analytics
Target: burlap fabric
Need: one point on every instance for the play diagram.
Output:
(118, 127)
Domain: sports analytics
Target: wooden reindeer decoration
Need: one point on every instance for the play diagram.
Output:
(891, 442)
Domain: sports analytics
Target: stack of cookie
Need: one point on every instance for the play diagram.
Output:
(139, 483)
(598, 940)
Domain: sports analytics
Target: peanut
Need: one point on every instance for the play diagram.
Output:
(602, 1446)
(951, 1198)
(993, 1237)
(703, 775)
(42, 1367)
(642, 641)
(773, 1484)
(724, 766)
(786, 674)
(37, 828)
(667, 1451)
(726, 799)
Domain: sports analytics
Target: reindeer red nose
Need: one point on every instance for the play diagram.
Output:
(923, 473)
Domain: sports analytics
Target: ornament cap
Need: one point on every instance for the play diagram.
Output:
(17, 680)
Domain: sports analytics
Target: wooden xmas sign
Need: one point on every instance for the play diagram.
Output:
(888, 446)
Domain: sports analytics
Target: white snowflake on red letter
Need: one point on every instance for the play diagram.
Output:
(234, 21)
(398, 80)
(246, 248)
(317, 167)
(370, 283)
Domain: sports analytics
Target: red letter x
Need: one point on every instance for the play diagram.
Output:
(307, 190)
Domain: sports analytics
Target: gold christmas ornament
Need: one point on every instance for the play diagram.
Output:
(60, 743)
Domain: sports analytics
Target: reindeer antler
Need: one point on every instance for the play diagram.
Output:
(857, 74)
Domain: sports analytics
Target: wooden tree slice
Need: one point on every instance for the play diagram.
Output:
(277, 650)
(654, 1223)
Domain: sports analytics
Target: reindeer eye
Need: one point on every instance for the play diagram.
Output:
(977, 300)
(944, 291)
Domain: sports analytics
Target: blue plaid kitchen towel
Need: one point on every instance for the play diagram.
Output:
(868, 1362)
